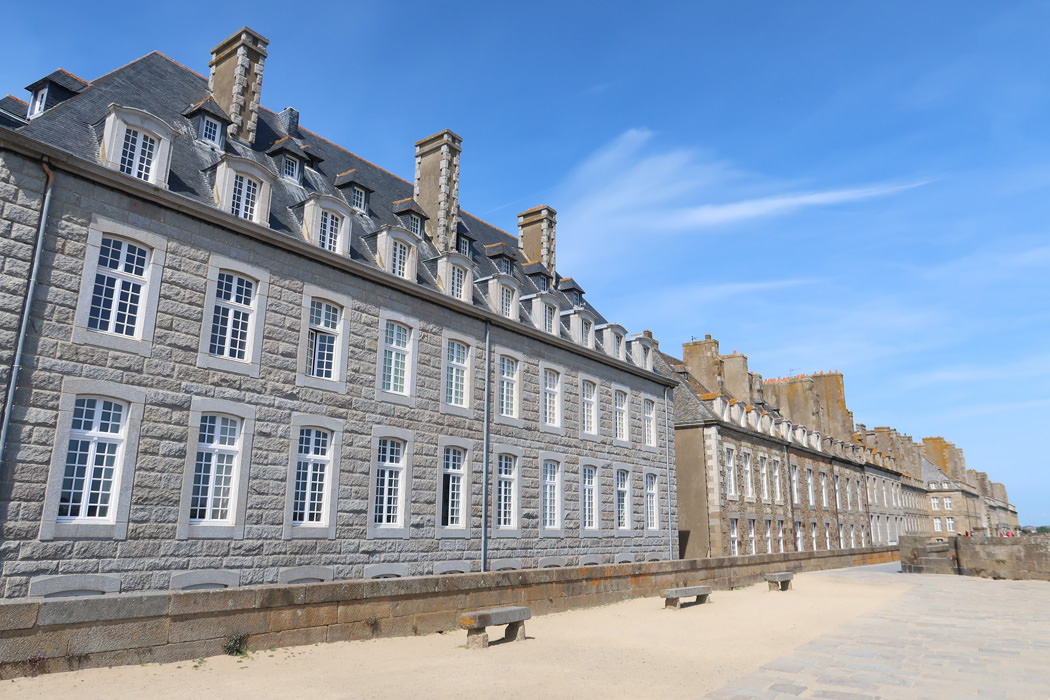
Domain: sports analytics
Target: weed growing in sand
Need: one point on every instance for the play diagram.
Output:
(235, 645)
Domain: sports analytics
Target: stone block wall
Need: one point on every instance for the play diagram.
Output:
(1015, 558)
(66, 634)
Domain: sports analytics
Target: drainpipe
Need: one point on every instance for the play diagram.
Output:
(667, 459)
(485, 451)
(23, 331)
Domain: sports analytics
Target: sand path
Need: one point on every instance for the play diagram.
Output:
(632, 649)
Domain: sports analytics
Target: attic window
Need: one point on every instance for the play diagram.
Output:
(210, 131)
(290, 168)
(36, 105)
(463, 245)
(136, 158)
(543, 283)
(415, 224)
(505, 266)
(577, 298)
(357, 197)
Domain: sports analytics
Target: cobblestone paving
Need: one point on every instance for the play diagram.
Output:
(952, 637)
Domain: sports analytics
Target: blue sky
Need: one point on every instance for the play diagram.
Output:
(862, 187)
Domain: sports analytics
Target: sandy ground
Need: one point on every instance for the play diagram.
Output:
(634, 649)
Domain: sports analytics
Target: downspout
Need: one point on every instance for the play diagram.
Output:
(23, 331)
(667, 458)
(791, 494)
(485, 451)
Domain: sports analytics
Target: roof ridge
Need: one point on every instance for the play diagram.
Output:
(72, 75)
(17, 99)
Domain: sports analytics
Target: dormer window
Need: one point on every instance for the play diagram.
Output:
(550, 318)
(463, 245)
(326, 222)
(36, 105)
(457, 278)
(588, 334)
(328, 234)
(503, 296)
(357, 197)
(210, 131)
(396, 252)
(617, 345)
(242, 187)
(577, 298)
(399, 258)
(506, 301)
(138, 144)
(543, 283)
(415, 224)
(290, 168)
(505, 266)
(245, 197)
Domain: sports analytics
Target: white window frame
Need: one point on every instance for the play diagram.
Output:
(795, 495)
(342, 340)
(515, 384)
(552, 495)
(402, 528)
(729, 471)
(623, 501)
(358, 198)
(811, 492)
(749, 483)
(827, 535)
(751, 543)
(513, 528)
(115, 524)
(800, 537)
(813, 535)
(769, 536)
(590, 407)
(734, 537)
(590, 499)
(937, 525)
(462, 530)
(651, 485)
(467, 407)
(231, 167)
(649, 429)
(621, 416)
(935, 503)
(233, 526)
(780, 536)
(947, 502)
(314, 210)
(777, 495)
(408, 396)
(37, 103)
(326, 528)
(141, 342)
(552, 399)
(296, 169)
(763, 470)
(949, 524)
(202, 134)
(823, 490)
(496, 284)
(118, 121)
(250, 365)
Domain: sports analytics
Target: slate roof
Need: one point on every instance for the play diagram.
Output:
(175, 94)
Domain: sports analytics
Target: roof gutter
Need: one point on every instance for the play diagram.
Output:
(23, 331)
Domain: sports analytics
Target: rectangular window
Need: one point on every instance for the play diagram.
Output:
(395, 357)
(749, 487)
(506, 491)
(328, 234)
(548, 318)
(652, 503)
(456, 374)
(94, 451)
(751, 537)
(588, 333)
(730, 468)
(463, 245)
(245, 197)
(937, 525)
(589, 498)
(649, 421)
(734, 545)
(620, 410)
(357, 197)
(390, 468)
(231, 321)
(457, 279)
(36, 105)
(947, 502)
(794, 485)
(935, 503)
(623, 500)
(824, 490)
(780, 536)
(842, 537)
(321, 339)
(218, 448)
(588, 407)
(852, 536)
(800, 542)
(116, 297)
(813, 535)
(763, 473)
(506, 304)
(136, 158)
(311, 477)
(618, 345)
(210, 130)
(810, 488)
(776, 480)
(506, 266)
(950, 524)
(508, 386)
(827, 535)
(838, 495)
(769, 537)
(415, 225)
(399, 259)
(551, 397)
(551, 496)
(452, 487)
(291, 168)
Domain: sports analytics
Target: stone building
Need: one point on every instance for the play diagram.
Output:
(249, 356)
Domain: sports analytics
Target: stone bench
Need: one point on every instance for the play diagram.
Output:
(780, 581)
(476, 622)
(673, 596)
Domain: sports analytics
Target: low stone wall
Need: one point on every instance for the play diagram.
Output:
(68, 633)
(1017, 558)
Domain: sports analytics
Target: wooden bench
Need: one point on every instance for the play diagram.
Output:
(673, 596)
(476, 622)
(780, 581)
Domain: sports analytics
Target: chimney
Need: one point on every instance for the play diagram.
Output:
(235, 81)
(437, 186)
(536, 235)
(701, 359)
(289, 117)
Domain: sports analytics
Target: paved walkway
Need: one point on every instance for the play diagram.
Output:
(951, 637)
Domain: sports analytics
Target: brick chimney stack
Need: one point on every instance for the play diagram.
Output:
(437, 186)
(235, 81)
(536, 235)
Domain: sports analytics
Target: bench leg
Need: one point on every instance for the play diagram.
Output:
(785, 585)
(775, 586)
(672, 603)
(702, 598)
(477, 639)
(515, 631)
